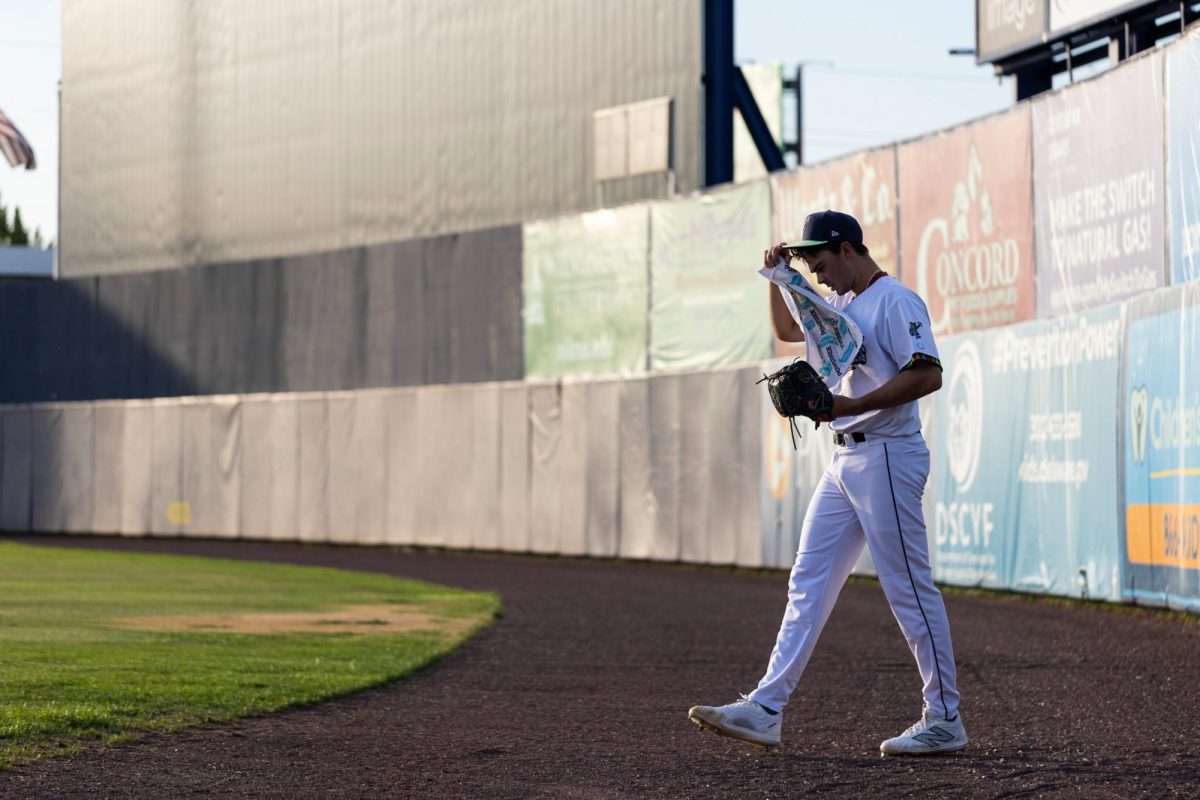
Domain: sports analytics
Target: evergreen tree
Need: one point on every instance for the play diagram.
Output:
(18, 236)
(37, 239)
(5, 231)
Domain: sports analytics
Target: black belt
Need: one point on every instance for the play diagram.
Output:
(857, 438)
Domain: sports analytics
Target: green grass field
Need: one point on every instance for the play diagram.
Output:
(74, 667)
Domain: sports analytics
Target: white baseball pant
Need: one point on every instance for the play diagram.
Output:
(870, 493)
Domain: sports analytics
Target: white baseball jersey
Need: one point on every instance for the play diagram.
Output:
(896, 333)
(870, 496)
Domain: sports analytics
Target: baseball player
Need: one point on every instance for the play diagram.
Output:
(870, 494)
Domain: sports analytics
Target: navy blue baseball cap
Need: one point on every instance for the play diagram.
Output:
(824, 227)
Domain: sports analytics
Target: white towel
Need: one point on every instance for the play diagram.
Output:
(832, 338)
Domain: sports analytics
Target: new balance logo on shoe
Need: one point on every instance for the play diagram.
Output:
(927, 737)
(935, 736)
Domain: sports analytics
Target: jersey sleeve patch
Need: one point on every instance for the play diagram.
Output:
(923, 358)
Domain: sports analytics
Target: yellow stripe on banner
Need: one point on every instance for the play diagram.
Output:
(1170, 473)
(1163, 535)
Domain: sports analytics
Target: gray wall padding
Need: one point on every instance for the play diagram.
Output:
(166, 468)
(137, 467)
(571, 466)
(749, 451)
(47, 501)
(483, 487)
(16, 468)
(313, 498)
(403, 465)
(76, 464)
(438, 468)
(697, 464)
(599, 468)
(638, 514)
(515, 467)
(108, 475)
(603, 468)
(666, 452)
(545, 467)
(212, 465)
(286, 447)
(258, 467)
(358, 467)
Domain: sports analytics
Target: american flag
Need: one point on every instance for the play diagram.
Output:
(14, 146)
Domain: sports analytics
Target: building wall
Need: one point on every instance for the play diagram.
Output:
(201, 132)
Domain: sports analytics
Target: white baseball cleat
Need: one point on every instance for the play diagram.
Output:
(928, 737)
(745, 720)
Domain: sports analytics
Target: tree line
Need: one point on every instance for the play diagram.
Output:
(15, 233)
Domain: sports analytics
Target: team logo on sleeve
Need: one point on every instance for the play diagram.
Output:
(914, 330)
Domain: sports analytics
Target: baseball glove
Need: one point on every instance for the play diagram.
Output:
(797, 390)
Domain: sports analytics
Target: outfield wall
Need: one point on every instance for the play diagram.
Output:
(662, 467)
(1065, 459)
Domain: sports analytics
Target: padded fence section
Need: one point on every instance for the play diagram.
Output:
(747, 552)
(212, 466)
(696, 465)
(438, 472)
(16, 469)
(137, 467)
(360, 466)
(76, 444)
(312, 500)
(603, 468)
(169, 512)
(637, 514)
(515, 466)
(258, 467)
(483, 501)
(546, 467)
(46, 503)
(666, 454)
(403, 465)
(108, 477)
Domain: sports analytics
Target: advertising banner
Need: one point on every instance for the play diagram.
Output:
(1003, 27)
(1069, 15)
(708, 305)
(1026, 458)
(862, 185)
(1183, 158)
(966, 224)
(1098, 202)
(1162, 450)
(585, 283)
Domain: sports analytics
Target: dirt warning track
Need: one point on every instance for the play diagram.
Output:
(582, 689)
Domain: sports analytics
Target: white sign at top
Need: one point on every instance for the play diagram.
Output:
(1068, 14)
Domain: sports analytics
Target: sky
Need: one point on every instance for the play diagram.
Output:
(879, 73)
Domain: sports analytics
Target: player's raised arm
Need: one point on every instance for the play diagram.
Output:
(783, 325)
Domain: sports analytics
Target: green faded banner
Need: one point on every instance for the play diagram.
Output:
(585, 293)
(708, 303)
